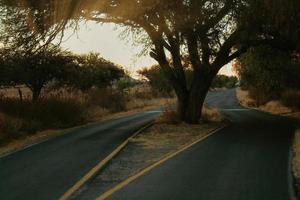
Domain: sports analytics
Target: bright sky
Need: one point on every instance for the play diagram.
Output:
(104, 39)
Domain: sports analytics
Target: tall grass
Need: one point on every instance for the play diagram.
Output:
(27, 117)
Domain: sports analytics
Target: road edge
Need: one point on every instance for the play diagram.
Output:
(92, 172)
(165, 158)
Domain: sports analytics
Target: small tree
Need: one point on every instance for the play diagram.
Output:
(266, 72)
(156, 79)
(36, 70)
(93, 70)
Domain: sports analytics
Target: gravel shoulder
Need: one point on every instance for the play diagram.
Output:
(142, 151)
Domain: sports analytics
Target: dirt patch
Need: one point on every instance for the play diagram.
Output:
(142, 151)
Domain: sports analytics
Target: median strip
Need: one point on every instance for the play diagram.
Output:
(99, 166)
(168, 156)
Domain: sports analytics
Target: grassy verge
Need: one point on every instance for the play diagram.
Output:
(287, 106)
(145, 149)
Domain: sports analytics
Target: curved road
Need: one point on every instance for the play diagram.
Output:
(47, 170)
(248, 160)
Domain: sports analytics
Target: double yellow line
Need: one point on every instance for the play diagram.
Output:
(99, 166)
(119, 186)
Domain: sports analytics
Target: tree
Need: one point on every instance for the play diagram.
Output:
(92, 70)
(210, 33)
(34, 70)
(221, 81)
(267, 72)
(156, 79)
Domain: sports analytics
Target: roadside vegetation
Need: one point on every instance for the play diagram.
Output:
(56, 89)
(271, 83)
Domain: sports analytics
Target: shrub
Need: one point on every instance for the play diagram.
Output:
(291, 98)
(27, 116)
(221, 81)
(169, 116)
(107, 98)
(266, 72)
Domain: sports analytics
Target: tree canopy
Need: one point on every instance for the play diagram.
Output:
(208, 33)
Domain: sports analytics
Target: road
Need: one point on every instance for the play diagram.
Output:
(47, 170)
(248, 160)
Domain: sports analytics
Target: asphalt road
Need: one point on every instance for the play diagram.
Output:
(47, 170)
(248, 160)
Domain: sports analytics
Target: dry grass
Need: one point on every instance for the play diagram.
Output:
(244, 98)
(16, 144)
(161, 135)
(137, 103)
(287, 106)
(170, 115)
(275, 107)
(212, 115)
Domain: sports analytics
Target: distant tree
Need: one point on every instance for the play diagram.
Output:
(267, 72)
(155, 76)
(93, 70)
(34, 70)
(223, 81)
(126, 82)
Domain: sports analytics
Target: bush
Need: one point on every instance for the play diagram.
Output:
(265, 72)
(291, 98)
(29, 117)
(221, 81)
(169, 116)
(110, 99)
(157, 80)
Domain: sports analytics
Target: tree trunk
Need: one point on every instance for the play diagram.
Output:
(190, 104)
(20, 94)
(36, 93)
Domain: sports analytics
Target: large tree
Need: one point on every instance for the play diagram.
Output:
(208, 33)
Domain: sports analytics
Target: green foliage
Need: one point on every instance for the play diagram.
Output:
(93, 70)
(267, 72)
(157, 79)
(221, 81)
(34, 70)
(126, 82)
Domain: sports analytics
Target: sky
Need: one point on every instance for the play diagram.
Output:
(104, 39)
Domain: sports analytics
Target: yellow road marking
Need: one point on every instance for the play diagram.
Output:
(149, 168)
(98, 167)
